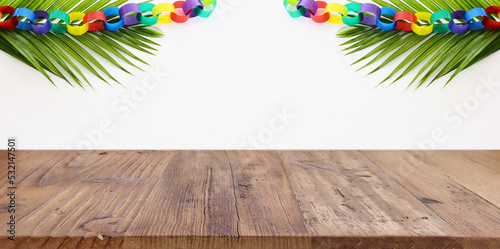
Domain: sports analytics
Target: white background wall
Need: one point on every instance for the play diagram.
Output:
(226, 82)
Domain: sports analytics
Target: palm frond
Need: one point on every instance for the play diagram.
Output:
(434, 56)
(65, 56)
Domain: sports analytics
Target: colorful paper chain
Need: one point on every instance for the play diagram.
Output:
(370, 14)
(178, 12)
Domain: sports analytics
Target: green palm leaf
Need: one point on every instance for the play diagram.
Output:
(65, 56)
(434, 56)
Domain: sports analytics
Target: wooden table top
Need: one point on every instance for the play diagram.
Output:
(254, 199)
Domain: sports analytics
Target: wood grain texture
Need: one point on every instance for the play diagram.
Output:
(254, 199)
(487, 159)
(265, 200)
(464, 210)
(470, 174)
(193, 196)
(344, 193)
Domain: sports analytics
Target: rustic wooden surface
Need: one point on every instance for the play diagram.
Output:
(254, 199)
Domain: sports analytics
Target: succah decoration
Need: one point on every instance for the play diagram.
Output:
(129, 14)
(439, 37)
(58, 37)
(436, 38)
(442, 21)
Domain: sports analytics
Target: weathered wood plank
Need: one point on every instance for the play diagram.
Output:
(400, 242)
(70, 196)
(266, 205)
(464, 210)
(250, 199)
(344, 194)
(471, 175)
(193, 196)
(488, 159)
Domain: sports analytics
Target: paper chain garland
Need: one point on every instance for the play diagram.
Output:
(178, 12)
(370, 14)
